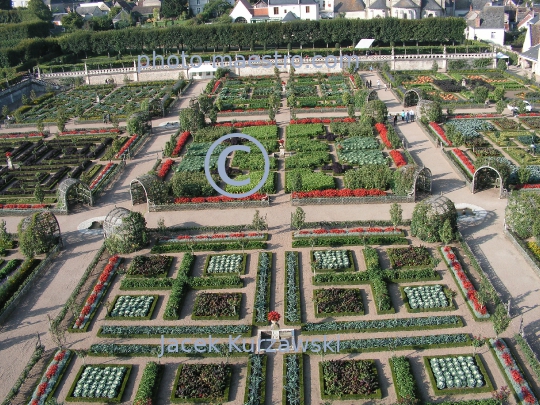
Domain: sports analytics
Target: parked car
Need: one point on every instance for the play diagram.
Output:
(528, 107)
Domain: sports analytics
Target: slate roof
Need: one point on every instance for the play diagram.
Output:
(531, 54)
(289, 17)
(344, 6)
(535, 34)
(122, 14)
(379, 5)
(492, 17)
(479, 4)
(246, 4)
(144, 10)
(462, 4)
(431, 5)
(405, 4)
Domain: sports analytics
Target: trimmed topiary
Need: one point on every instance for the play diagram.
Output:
(429, 217)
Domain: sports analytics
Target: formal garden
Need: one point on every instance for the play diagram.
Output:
(375, 287)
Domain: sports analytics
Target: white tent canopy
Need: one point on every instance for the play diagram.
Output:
(501, 55)
(364, 43)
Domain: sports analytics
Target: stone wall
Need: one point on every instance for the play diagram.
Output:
(12, 95)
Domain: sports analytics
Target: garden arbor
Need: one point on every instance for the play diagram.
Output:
(124, 231)
(422, 182)
(39, 233)
(430, 215)
(113, 221)
(487, 177)
(73, 191)
(412, 97)
(141, 188)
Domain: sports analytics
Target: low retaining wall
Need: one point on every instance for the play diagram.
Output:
(352, 200)
(204, 206)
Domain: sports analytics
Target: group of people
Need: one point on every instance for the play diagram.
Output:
(369, 85)
(405, 116)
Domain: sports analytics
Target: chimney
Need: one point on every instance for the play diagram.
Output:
(470, 8)
(477, 22)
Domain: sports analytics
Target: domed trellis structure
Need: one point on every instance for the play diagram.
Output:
(412, 97)
(140, 188)
(422, 182)
(486, 177)
(112, 225)
(372, 95)
(45, 225)
(429, 217)
(73, 190)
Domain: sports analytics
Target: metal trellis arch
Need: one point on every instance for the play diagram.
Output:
(73, 188)
(475, 180)
(140, 189)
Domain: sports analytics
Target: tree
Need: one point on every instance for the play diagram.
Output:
(72, 21)
(61, 123)
(498, 93)
(524, 174)
(502, 395)
(500, 319)
(131, 236)
(396, 214)
(215, 8)
(500, 106)
(39, 126)
(298, 218)
(501, 64)
(24, 99)
(40, 10)
(37, 234)
(5, 5)
(38, 193)
(435, 67)
(5, 110)
(481, 94)
(58, 333)
(191, 119)
(296, 181)
(5, 238)
(377, 110)
(259, 223)
(432, 111)
(173, 8)
(82, 354)
(446, 234)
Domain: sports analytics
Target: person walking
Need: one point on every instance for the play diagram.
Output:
(402, 115)
(385, 87)
(411, 115)
(367, 84)
(378, 84)
(407, 117)
(395, 119)
(370, 84)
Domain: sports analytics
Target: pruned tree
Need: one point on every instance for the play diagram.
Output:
(298, 218)
(259, 223)
(396, 214)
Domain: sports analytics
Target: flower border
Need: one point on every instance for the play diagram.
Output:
(351, 232)
(51, 377)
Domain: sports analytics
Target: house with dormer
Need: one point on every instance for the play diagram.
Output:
(487, 25)
(275, 10)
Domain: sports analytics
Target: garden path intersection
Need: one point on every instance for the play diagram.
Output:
(500, 259)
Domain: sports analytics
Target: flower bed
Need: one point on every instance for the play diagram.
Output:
(530, 114)
(105, 131)
(102, 175)
(217, 306)
(293, 379)
(293, 313)
(261, 304)
(91, 303)
(202, 383)
(150, 266)
(51, 377)
(469, 292)
(464, 160)
(23, 135)
(217, 236)
(220, 199)
(241, 124)
(23, 206)
(225, 264)
(426, 298)
(165, 167)
(320, 120)
(126, 146)
(133, 307)
(180, 143)
(349, 232)
(512, 372)
(457, 375)
(383, 131)
(332, 193)
(255, 380)
(398, 158)
(332, 260)
(362, 157)
(338, 302)
(349, 379)
(439, 131)
(99, 383)
(409, 257)
(480, 115)
(404, 381)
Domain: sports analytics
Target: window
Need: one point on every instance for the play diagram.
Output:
(276, 10)
(198, 2)
(493, 35)
(284, 11)
(324, 4)
(198, 9)
(307, 9)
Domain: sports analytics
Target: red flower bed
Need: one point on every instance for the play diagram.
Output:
(530, 114)
(397, 157)
(165, 167)
(273, 316)
(359, 192)
(382, 130)
(126, 146)
(180, 142)
(527, 395)
(216, 85)
(530, 186)
(102, 173)
(241, 124)
(440, 132)
(321, 120)
(22, 206)
(516, 375)
(198, 200)
(464, 159)
(461, 116)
